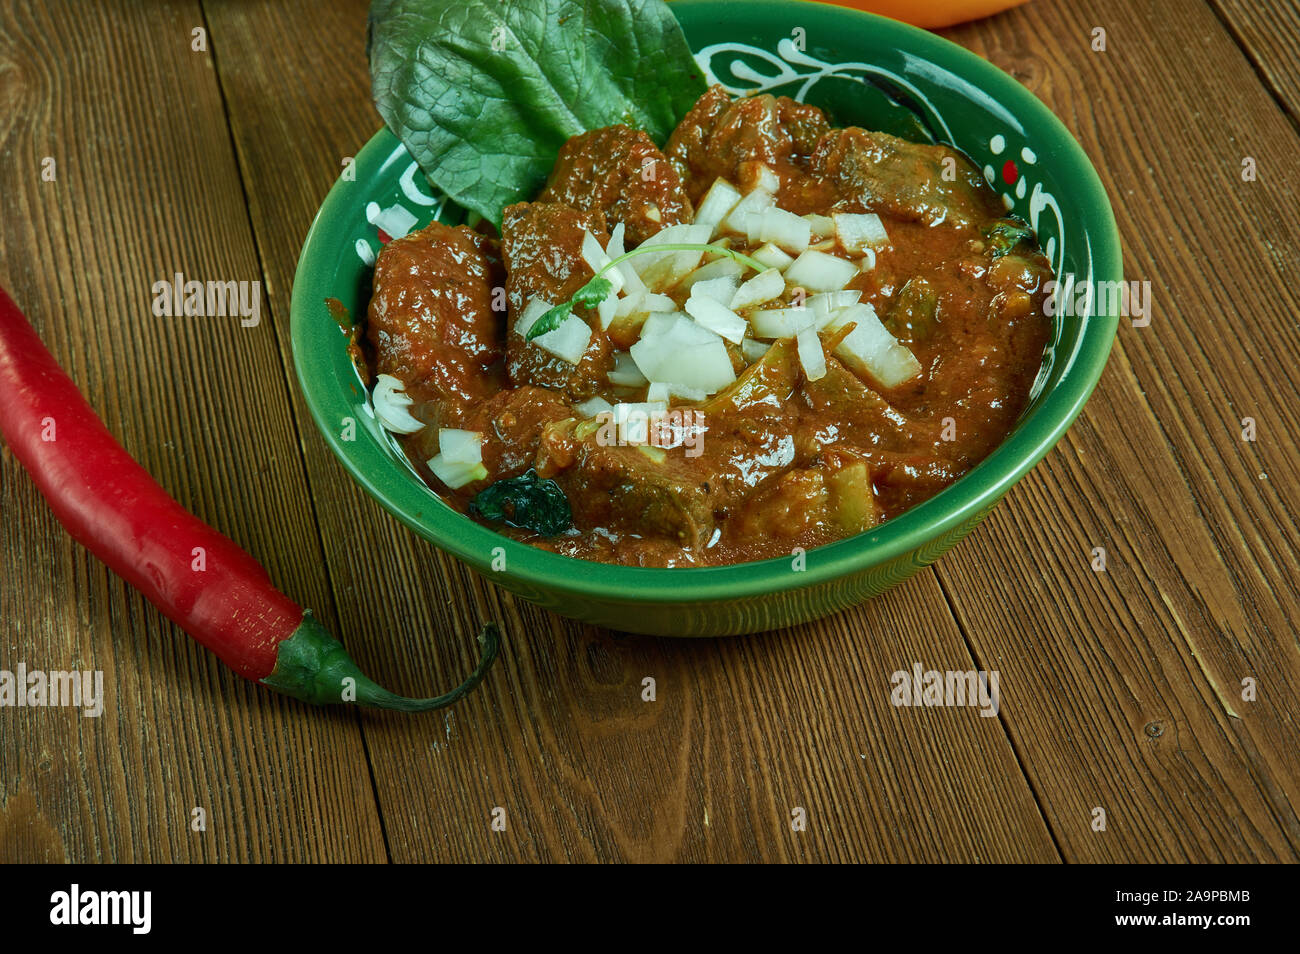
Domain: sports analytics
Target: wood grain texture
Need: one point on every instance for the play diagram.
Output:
(743, 731)
(1269, 35)
(1126, 693)
(146, 185)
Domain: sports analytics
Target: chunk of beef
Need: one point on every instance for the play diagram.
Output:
(669, 492)
(794, 505)
(620, 172)
(723, 138)
(512, 423)
(430, 319)
(877, 172)
(541, 243)
(805, 123)
(904, 480)
(688, 146)
(623, 488)
(864, 417)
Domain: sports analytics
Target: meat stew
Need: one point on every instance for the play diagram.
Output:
(840, 324)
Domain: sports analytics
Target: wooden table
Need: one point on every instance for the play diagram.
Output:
(1121, 690)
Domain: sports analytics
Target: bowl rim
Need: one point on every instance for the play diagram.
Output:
(966, 499)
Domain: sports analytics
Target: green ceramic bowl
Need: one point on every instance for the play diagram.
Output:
(866, 71)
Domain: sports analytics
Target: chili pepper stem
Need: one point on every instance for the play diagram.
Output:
(313, 666)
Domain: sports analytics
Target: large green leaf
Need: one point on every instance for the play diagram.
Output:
(483, 94)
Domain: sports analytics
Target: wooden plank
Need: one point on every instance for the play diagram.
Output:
(1269, 35)
(1130, 680)
(743, 730)
(146, 185)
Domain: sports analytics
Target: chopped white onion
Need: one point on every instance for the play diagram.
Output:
(596, 258)
(823, 226)
(870, 351)
(783, 229)
(688, 355)
(818, 271)
(662, 391)
(456, 476)
(661, 270)
(717, 317)
(716, 204)
(781, 322)
(753, 204)
(721, 290)
(656, 304)
(633, 420)
(396, 221)
(658, 323)
(687, 394)
(811, 355)
(771, 256)
(691, 332)
(607, 308)
(762, 287)
(857, 232)
(568, 341)
(614, 248)
(753, 350)
(703, 367)
(768, 180)
(391, 402)
(631, 280)
(643, 303)
(625, 372)
(460, 447)
(724, 267)
(532, 311)
(633, 303)
(826, 304)
(593, 406)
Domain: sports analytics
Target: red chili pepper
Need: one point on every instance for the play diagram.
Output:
(111, 505)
